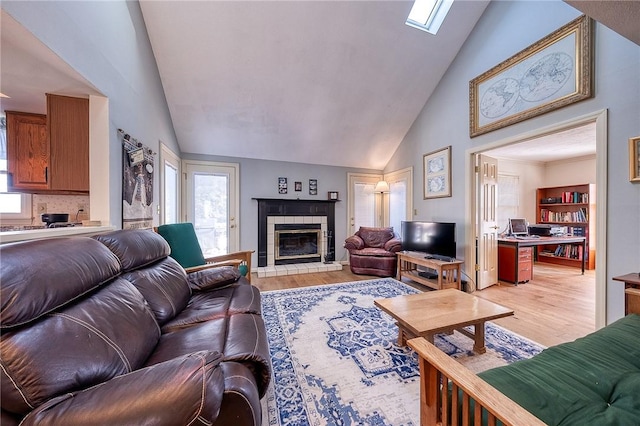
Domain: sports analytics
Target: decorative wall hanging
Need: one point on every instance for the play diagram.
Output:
(313, 186)
(437, 173)
(634, 159)
(552, 73)
(298, 186)
(137, 183)
(282, 185)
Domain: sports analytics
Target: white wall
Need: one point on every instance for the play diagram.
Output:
(259, 179)
(575, 171)
(107, 43)
(505, 28)
(531, 177)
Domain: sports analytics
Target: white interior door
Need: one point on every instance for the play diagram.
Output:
(487, 190)
(212, 205)
(364, 206)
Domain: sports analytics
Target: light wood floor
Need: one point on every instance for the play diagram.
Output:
(557, 306)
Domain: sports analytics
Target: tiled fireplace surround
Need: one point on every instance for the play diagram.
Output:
(275, 211)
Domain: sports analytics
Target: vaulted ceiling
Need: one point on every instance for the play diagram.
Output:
(320, 82)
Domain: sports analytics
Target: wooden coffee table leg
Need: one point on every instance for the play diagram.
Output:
(402, 337)
(478, 338)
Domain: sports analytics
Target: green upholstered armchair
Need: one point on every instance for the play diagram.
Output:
(185, 249)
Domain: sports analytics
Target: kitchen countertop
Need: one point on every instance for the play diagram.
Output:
(34, 234)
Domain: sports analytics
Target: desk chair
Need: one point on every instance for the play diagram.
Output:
(185, 249)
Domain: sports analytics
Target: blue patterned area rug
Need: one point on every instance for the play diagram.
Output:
(336, 360)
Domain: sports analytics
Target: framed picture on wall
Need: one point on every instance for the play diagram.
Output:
(282, 185)
(634, 159)
(298, 186)
(552, 73)
(313, 186)
(437, 173)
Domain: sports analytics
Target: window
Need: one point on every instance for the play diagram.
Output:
(508, 200)
(428, 15)
(13, 206)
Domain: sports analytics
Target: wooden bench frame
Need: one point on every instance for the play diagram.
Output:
(443, 380)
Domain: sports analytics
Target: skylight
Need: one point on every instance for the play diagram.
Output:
(428, 15)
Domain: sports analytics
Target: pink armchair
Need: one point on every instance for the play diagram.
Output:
(372, 251)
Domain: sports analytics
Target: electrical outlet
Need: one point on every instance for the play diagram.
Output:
(42, 208)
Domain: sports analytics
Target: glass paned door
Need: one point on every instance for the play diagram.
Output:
(211, 206)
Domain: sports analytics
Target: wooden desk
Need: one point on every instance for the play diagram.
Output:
(449, 275)
(631, 292)
(518, 243)
(432, 312)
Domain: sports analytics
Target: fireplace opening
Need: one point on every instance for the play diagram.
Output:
(297, 243)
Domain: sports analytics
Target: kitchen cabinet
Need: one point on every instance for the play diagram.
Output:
(27, 151)
(50, 153)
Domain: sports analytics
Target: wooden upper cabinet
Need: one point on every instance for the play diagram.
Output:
(68, 123)
(27, 151)
(50, 153)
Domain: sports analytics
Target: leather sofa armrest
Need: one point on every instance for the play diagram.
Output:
(394, 245)
(354, 243)
(169, 393)
(212, 278)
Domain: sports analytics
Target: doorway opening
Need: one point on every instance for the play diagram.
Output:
(528, 142)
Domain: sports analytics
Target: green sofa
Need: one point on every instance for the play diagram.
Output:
(594, 380)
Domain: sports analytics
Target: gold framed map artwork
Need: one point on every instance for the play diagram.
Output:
(552, 73)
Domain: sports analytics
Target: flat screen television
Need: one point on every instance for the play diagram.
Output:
(434, 238)
(518, 227)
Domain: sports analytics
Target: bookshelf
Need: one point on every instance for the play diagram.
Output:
(573, 207)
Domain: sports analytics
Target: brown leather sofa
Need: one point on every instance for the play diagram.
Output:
(111, 331)
(372, 251)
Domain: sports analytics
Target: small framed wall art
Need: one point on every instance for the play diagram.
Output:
(298, 186)
(634, 159)
(437, 173)
(313, 186)
(282, 185)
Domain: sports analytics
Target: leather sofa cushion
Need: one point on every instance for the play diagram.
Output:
(164, 285)
(212, 278)
(375, 237)
(240, 337)
(192, 388)
(238, 298)
(376, 252)
(109, 333)
(82, 264)
(135, 248)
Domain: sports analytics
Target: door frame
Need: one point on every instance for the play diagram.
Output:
(166, 154)
(600, 119)
(406, 173)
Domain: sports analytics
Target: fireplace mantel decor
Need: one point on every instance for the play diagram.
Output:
(291, 207)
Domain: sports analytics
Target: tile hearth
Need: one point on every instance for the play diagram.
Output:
(297, 268)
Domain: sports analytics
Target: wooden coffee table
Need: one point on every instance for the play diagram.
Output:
(442, 311)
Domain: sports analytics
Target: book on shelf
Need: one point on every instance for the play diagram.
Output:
(580, 215)
(569, 197)
(569, 251)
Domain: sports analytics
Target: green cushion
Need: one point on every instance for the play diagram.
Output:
(182, 239)
(591, 381)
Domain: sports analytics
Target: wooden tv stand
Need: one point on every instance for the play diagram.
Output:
(449, 275)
